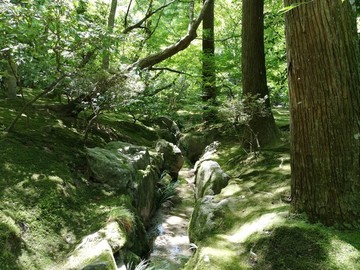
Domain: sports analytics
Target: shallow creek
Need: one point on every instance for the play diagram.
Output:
(171, 248)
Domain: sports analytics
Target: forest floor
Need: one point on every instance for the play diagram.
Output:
(48, 204)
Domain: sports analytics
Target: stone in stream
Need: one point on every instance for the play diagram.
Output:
(209, 177)
(173, 158)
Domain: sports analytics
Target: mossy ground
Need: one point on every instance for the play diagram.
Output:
(255, 228)
(47, 203)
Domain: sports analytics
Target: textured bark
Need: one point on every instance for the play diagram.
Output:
(208, 48)
(262, 130)
(324, 87)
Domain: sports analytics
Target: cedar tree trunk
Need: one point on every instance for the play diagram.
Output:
(324, 87)
(261, 130)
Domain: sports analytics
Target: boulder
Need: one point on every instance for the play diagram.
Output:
(206, 218)
(166, 129)
(209, 179)
(173, 158)
(193, 145)
(137, 156)
(109, 167)
(96, 250)
(128, 169)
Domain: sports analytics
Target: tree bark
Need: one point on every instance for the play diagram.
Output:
(261, 130)
(324, 88)
(208, 62)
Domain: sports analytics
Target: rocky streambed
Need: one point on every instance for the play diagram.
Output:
(169, 233)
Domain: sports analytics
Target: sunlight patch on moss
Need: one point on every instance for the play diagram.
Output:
(344, 255)
(260, 224)
(215, 256)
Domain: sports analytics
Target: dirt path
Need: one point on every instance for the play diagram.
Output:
(171, 249)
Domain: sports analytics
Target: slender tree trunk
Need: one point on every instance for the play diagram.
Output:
(208, 48)
(111, 23)
(324, 87)
(261, 130)
(11, 74)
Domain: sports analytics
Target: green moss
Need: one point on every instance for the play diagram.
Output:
(10, 243)
(291, 248)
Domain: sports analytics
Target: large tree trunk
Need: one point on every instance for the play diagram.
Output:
(261, 130)
(208, 62)
(324, 87)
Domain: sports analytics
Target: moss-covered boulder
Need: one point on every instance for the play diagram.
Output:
(128, 169)
(193, 144)
(206, 218)
(96, 250)
(109, 167)
(137, 156)
(166, 128)
(173, 158)
(209, 179)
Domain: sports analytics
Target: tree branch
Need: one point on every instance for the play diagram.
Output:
(171, 70)
(147, 16)
(173, 49)
(127, 14)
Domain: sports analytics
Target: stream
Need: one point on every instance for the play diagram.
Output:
(171, 246)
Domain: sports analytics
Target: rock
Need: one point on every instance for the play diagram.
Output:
(96, 250)
(166, 129)
(137, 156)
(193, 145)
(146, 191)
(128, 169)
(137, 133)
(205, 218)
(109, 167)
(209, 179)
(173, 158)
(97, 266)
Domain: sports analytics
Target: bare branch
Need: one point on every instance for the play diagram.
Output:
(173, 49)
(127, 14)
(171, 70)
(149, 13)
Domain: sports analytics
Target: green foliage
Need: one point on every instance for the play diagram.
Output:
(238, 112)
(166, 193)
(124, 217)
(275, 53)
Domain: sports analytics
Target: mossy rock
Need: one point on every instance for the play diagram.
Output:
(209, 179)
(96, 250)
(10, 243)
(206, 218)
(109, 168)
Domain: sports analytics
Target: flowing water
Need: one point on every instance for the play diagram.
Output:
(171, 248)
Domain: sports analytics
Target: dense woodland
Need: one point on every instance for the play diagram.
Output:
(278, 81)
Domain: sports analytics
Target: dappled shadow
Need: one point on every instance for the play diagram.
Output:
(290, 248)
